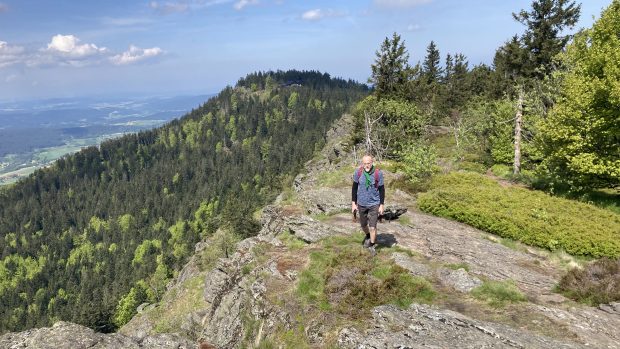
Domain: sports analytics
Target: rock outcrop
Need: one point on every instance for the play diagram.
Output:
(65, 335)
(421, 326)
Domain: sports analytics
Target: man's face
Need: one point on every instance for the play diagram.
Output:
(367, 163)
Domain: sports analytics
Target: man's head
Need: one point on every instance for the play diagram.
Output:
(367, 162)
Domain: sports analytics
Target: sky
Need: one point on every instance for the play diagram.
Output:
(70, 49)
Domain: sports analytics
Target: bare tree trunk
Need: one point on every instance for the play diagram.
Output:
(518, 123)
(373, 142)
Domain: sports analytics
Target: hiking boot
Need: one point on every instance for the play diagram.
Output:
(372, 250)
(366, 241)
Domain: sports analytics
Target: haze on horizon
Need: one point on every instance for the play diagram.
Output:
(117, 48)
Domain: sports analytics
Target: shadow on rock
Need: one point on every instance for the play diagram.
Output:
(386, 240)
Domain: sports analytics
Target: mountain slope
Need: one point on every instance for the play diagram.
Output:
(305, 281)
(102, 231)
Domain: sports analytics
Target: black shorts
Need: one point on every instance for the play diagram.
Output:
(368, 215)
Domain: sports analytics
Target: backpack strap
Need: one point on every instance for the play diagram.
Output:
(359, 175)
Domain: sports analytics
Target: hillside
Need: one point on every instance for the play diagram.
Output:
(305, 281)
(98, 231)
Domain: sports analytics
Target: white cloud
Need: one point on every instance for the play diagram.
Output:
(413, 27)
(136, 54)
(125, 21)
(239, 5)
(400, 3)
(318, 14)
(169, 7)
(9, 54)
(68, 45)
(313, 15)
(11, 78)
(3, 7)
(66, 50)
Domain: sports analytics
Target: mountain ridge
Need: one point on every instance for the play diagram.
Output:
(250, 296)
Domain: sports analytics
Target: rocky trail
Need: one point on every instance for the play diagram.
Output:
(248, 299)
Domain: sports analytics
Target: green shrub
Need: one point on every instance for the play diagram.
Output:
(598, 282)
(501, 170)
(531, 217)
(472, 167)
(498, 293)
(419, 161)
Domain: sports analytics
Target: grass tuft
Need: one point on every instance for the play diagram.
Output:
(457, 266)
(498, 293)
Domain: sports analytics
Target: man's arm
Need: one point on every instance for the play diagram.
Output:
(381, 199)
(354, 196)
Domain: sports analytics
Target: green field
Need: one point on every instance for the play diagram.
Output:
(15, 166)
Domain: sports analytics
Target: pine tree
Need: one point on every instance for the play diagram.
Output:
(542, 39)
(389, 73)
(430, 68)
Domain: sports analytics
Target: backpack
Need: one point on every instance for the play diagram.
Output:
(359, 175)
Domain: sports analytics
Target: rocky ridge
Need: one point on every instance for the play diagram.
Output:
(248, 297)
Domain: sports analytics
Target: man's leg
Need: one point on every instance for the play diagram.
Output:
(373, 235)
(373, 215)
(363, 212)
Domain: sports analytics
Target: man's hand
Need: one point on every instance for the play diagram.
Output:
(353, 207)
(380, 209)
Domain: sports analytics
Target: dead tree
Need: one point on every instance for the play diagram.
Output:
(518, 129)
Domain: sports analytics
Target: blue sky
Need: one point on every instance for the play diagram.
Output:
(122, 48)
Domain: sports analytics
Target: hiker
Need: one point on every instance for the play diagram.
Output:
(368, 195)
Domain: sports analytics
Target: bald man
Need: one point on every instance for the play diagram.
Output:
(367, 197)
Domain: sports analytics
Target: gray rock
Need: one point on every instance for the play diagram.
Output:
(224, 327)
(297, 182)
(326, 200)
(459, 279)
(416, 268)
(310, 230)
(423, 327)
(611, 308)
(72, 336)
(216, 282)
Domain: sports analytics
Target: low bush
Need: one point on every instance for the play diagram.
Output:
(472, 166)
(344, 278)
(529, 216)
(596, 283)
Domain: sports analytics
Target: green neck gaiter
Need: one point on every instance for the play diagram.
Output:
(368, 177)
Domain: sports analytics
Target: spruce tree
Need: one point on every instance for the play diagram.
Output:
(543, 37)
(389, 72)
(430, 68)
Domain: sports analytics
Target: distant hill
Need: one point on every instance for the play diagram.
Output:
(33, 133)
(112, 224)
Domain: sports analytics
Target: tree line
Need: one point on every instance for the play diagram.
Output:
(547, 107)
